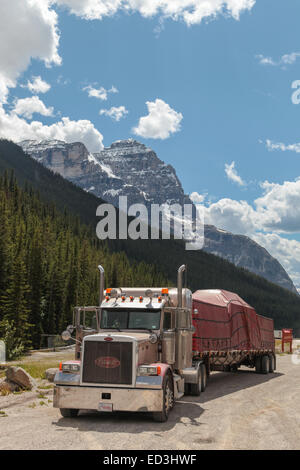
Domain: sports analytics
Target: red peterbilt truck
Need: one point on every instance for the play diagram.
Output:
(141, 349)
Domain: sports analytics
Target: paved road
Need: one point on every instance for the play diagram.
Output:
(238, 411)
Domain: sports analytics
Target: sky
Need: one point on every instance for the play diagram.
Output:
(213, 86)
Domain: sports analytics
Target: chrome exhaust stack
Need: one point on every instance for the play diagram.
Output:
(179, 284)
(101, 285)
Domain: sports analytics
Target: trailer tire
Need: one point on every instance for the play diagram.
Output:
(168, 400)
(272, 363)
(258, 364)
(265, 364)
(69, 412)
(203, 377)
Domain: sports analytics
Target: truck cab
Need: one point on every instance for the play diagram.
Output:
(133, 352)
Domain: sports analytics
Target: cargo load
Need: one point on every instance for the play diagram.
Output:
(225, 323)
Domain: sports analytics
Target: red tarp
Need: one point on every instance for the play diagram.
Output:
(226, 322)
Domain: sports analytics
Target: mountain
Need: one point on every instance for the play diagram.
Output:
(129, 168)
(160, 257)
(246, 253)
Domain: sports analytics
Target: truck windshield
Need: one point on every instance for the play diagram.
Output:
(130, 319)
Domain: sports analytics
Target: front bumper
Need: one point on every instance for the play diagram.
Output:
(122, 399)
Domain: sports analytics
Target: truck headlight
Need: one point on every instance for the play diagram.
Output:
(69, 367)
(149, 370)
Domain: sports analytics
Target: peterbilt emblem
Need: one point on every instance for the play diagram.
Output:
(107, 362)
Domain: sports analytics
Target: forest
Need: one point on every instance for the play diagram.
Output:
(48, 265)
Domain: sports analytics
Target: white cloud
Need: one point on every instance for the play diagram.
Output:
(233, 175)
(16, 128)
(279, 207)
(197, 198)
(287, 252)
(277, 210)
(99, 93)
(37, 85)
(286, 59)
(233, 216)
(160, 123)
(28, 106)
(271, 146)
(92, 9)
(115, 113)
(28, 29)
(190, 11)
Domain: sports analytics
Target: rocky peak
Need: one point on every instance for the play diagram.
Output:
(128, 143)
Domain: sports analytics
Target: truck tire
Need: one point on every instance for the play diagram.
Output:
(168, 401)
(258, 364)
(203, 377)
(197, 387)
(265, 364)
(69, 412)
(272, 363)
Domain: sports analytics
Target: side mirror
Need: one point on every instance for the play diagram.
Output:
(66, 335)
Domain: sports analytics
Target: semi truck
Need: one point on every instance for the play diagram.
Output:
(142, 349)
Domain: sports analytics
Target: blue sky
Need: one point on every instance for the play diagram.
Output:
(228, 79)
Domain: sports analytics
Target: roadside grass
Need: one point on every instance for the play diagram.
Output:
(4, 390)
(37, 369)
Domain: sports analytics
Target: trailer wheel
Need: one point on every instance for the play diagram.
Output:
(69, 412)
(272, 363)
(258, 364)
(203, 377)
(168, 401)
(197, 387)
(265, 364)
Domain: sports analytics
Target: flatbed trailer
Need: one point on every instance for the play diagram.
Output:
(229, 333)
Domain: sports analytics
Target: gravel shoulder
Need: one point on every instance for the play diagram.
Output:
(240, 410)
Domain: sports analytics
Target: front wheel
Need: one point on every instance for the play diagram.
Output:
(69, 412)
(168, 401)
